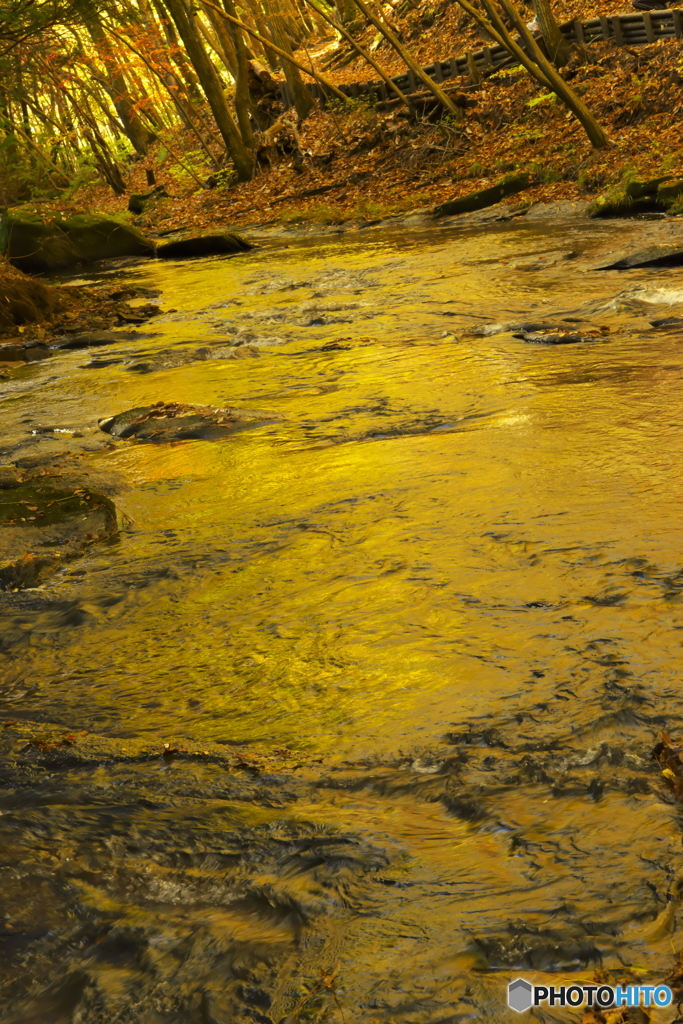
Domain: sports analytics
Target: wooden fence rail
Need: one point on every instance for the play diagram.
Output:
(634, 29)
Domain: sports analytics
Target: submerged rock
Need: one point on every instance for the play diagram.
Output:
(202, 245)
(511, 326)
(87, 339)
(667, 322)
(45, 524)
(173, 421)
(40, 242)
(507, 186)
(558, 337)
(170, 360)
(26, 352)
(566, 332)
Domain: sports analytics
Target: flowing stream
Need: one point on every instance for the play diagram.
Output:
(436, 604)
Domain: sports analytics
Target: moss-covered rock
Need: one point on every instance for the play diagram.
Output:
(636, 189)
(637, 196)
(510, 185)
(670, 192)
(616, 203)
(39, 241)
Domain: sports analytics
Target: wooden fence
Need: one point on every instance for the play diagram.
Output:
(634, 29)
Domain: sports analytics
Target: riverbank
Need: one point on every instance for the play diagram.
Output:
(364, 164)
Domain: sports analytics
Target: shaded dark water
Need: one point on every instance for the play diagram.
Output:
(440, 598)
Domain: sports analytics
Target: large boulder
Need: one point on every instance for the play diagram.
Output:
(39, 241)
(187, 246)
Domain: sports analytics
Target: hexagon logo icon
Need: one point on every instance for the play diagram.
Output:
(520, 995)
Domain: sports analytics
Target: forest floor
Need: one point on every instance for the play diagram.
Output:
(374, 164)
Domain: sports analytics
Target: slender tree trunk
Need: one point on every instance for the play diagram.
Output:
(325, 82)
(242, 96)
(262, 28)
(363, 53)
(303, 100)
(116, 84)
(557, 45)
(213, 89)
(178, 55)
(219, 40)
(535, 62)
(594, 131)
(498, 31)
(40, 155)
(431, 84)
(183, 105)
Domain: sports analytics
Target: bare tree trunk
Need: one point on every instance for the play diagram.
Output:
(497, 30)
(106, 163)
(303, 100)
(242, 95)
(535, 62)
(262, 28)
(594, 131)
(558, 47)
(178, 55)
(116, 84)
(212, 86)
(281, 53)
(219, 40)
(363, 53)
(433, 86)
(183, 105)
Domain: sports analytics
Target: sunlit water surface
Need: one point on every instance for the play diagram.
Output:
(449, 577)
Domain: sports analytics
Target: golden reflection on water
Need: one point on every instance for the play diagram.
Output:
(430, 517)
(443, 534)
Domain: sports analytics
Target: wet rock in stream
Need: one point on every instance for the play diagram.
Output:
(560, 337)
(45, 523)
(31, 351)
(39, 241)
(565, 332)
(173, 421)
(87, 339)
(190, 245)
(170, 360)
